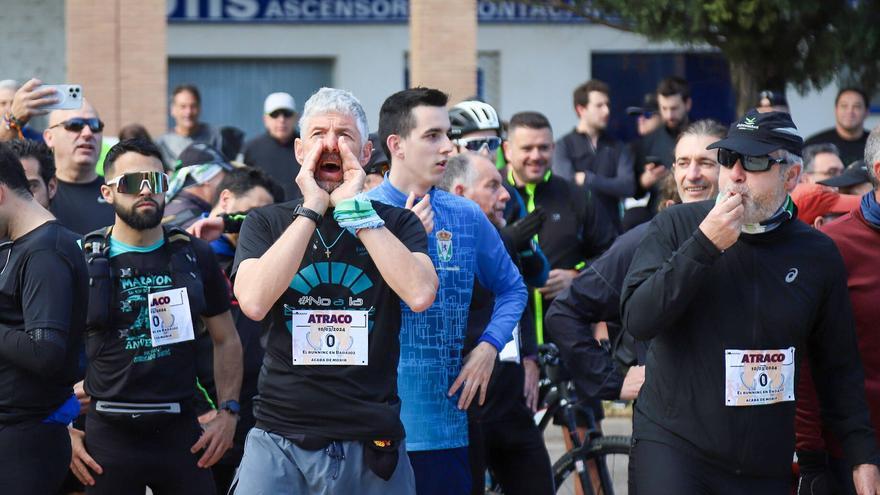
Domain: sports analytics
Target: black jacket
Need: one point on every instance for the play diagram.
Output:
(784, 288)
(594, 296)
(608, 168)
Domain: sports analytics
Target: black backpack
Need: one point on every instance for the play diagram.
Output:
(96, 247)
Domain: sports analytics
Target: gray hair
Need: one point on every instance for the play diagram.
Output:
(872, 155)
(812, 150)
(459, 170)
(9, 84)
(704, 127)
(338, 101)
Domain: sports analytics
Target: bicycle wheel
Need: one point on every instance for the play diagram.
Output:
(612, 450)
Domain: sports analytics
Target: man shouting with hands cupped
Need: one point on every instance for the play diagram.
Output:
(329, 272)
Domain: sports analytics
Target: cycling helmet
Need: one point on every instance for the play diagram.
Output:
(472, 115)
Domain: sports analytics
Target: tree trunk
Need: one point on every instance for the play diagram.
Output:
(747, 85)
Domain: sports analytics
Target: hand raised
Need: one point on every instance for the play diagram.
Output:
(314, 197)
(353, 175)
(422, 209)
(724, 222)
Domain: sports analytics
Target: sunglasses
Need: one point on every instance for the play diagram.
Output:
(134, 182)
(476, 144)
(647, 115)
(728, 158)
(77, 124)
(286, 113)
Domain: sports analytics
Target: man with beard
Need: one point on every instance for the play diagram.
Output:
(329, 272)
(145, 303)
(654, 152)
(591, 158)
(734, 293)
(42, 318)
(594, 295)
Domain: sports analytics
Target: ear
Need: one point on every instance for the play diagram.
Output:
(52, 187)
(224, 199)
(48, 137)
(579, 110)
(688, 104)
(792, 176)
(818, 222)
(395, 147)
(366, 152)
(505, 147)
(877, 169)
(670, 202)
(458, 189)
(298, 150)
(107, 194)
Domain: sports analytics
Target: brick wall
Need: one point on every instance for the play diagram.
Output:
(116, 50)
(443, 44)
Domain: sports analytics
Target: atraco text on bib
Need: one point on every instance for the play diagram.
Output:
(758, 377)
(328, 337)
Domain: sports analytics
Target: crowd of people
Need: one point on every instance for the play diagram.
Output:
(325, 310)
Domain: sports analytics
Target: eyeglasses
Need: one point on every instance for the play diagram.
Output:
(132, 183)
(728, 158)
(647, 115)
(77, 124)
(477, 143)
(286, 113)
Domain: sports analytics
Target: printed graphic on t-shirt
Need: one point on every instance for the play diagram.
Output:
(341, 287)
(133, 295)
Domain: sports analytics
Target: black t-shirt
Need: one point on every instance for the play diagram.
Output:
(336, 402)
(123, 364)
(850, 151)
(43, 285)
(80, 207)
(277, 160)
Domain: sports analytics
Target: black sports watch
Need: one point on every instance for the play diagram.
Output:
(232, 406)
(305, 212)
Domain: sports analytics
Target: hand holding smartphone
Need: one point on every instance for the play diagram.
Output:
(69, 96)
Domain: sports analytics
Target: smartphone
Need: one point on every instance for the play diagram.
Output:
(70, 96)
(654, 159)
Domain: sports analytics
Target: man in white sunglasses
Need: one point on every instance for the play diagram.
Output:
(152, 289)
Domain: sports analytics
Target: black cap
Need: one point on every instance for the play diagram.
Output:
(378, 161)
(649, 105)
(856, 173)
(758, 134)
(774, 97)
(202, 154)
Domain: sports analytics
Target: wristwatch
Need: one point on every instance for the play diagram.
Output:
(232, 406)
(305, 212)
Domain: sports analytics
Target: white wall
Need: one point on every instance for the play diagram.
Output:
(368, 60)
(540, 64)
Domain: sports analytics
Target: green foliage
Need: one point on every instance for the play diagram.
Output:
(805, 43)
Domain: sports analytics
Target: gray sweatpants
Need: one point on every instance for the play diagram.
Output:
(273, 465)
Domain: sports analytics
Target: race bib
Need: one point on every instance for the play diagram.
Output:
(759, 377)
(510, 352)
(327, 337)
(170, 318)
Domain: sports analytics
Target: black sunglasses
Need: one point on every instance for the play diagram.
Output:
(287, 114)
(77, 124)
(132, 183)
(728, 158)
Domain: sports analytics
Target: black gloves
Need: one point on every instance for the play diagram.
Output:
(521, 232)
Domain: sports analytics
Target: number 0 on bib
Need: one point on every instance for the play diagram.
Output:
(327, 337)
(170, 319)
(759, 377)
